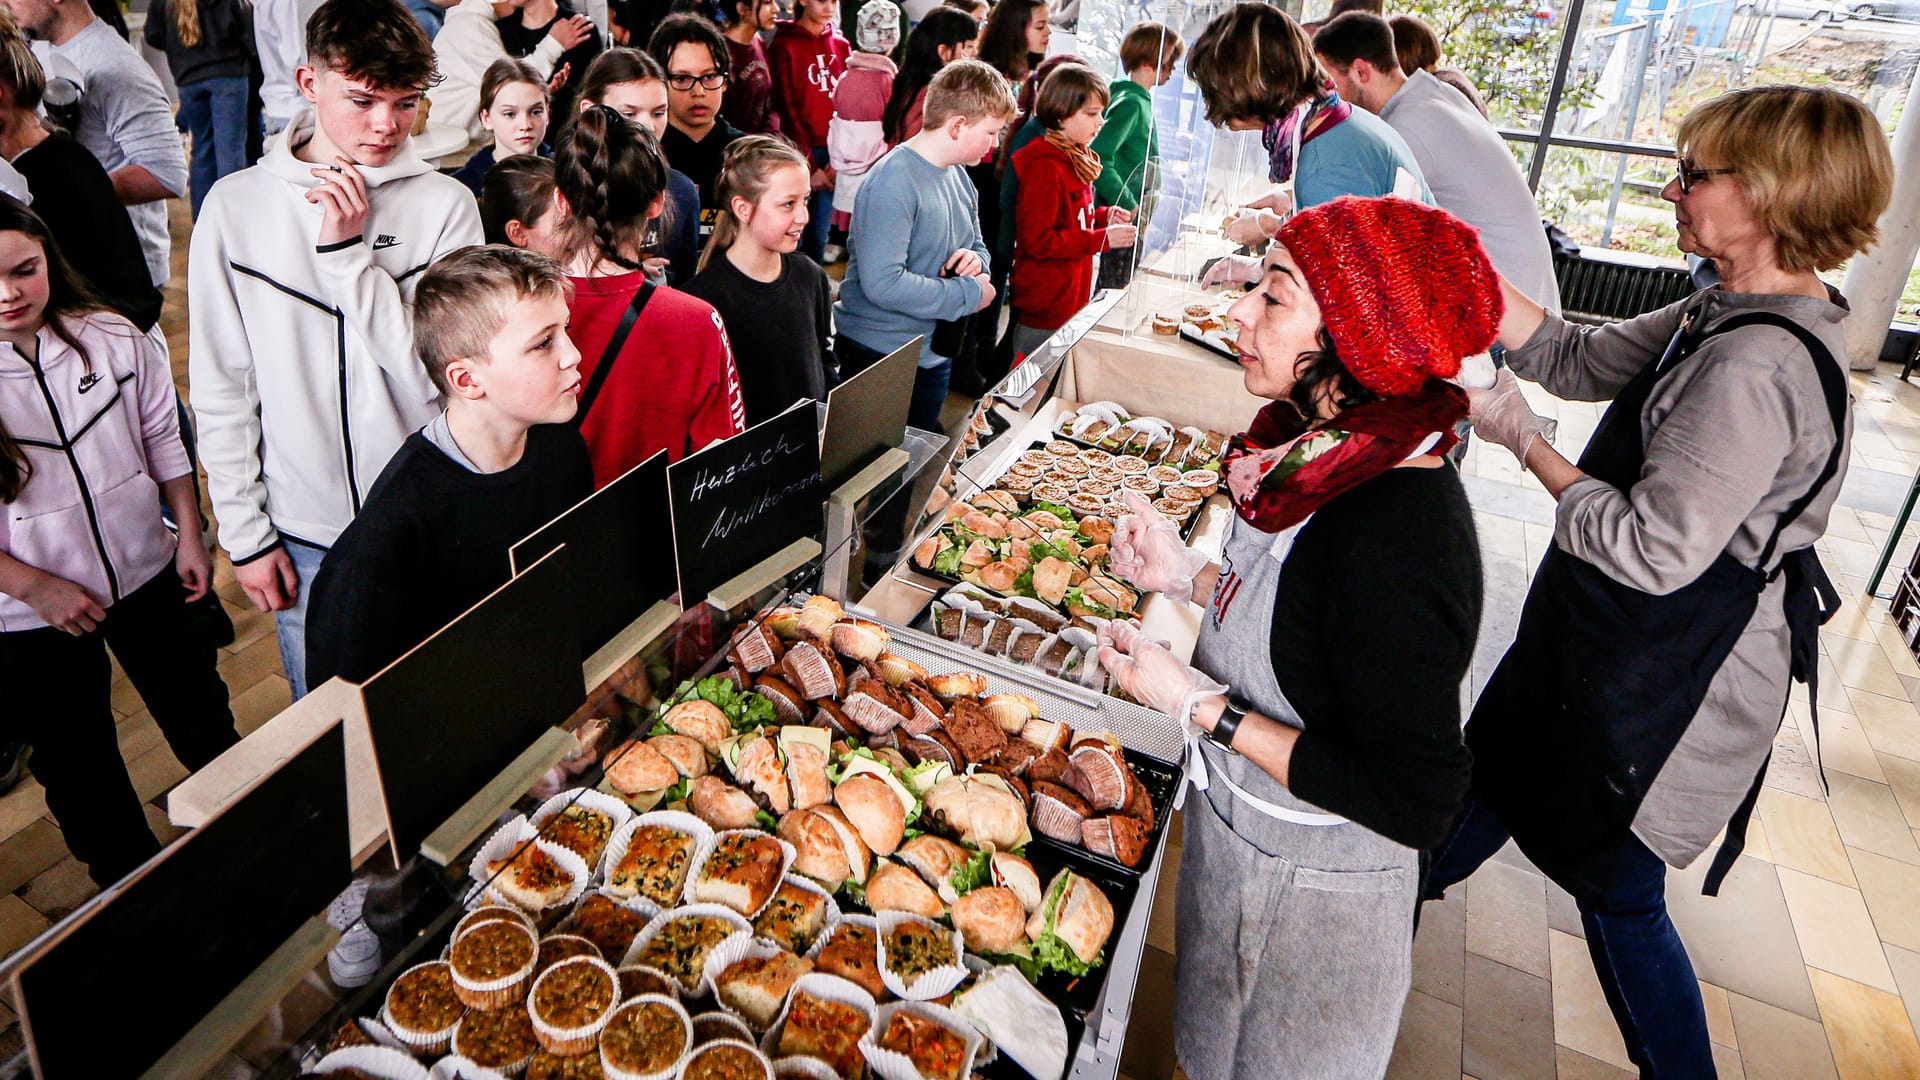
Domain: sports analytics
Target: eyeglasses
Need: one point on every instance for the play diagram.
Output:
(712, 80)
(1689, 176)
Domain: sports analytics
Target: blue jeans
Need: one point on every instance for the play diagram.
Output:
(1643, 966)
(291, 625)
(223, 116)
(813, 242)
(428, 14)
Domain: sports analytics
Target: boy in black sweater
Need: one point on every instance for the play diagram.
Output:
(490, 326)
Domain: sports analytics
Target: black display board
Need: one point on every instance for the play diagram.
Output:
(123, 984)
(739, 501)
(867, 415)
(618, 552)
(449, 716)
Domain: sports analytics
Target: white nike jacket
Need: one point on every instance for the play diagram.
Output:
(463, 50)
(301, 370)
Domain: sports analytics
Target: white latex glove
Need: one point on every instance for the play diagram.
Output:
(1146, 549)
(1149, 672)
(1233, 270)
(1253, 227)
(1502, 415)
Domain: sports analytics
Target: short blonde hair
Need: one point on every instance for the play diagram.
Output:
(1815, 163)
(462, 301)
(1253, 63)
(970, 89)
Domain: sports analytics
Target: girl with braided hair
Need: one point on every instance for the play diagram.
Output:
(659, 373)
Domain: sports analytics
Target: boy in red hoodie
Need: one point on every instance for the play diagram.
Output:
(807, 58)
(1057, 230)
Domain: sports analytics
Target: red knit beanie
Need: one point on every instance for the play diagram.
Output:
(1405, 289)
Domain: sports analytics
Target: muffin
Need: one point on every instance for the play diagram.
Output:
(1174, 510)
(1086, 504)
(714, 1026)
(1027, 468)
(608, 925)
(501, 1040)
(557, 947)
(1106, 474)
(1051, 492)
(1061, 448)
(1142, 483)
(1095, 457)
(1205, 481)
(639, 979)
(492, 964)
(1166, 325)
(422, 1008)
(1129, 464)
(727, 1060)
(1019, 486)
(1038, 458)
(645, 1038)
(1099, 489)
(1069, 466)
(545, 1066)
(1183, 492)
(571, 1002)
(1164, 475)
(486, 913)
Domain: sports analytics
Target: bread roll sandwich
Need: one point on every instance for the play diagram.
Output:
(689, 758)
(1069, 931)
(1010, 871)
(893, 887)
(701, 719)
(991, 920)
(979, 811)
(874, 809)
(935, 859)
(721, 805)
(638, 769)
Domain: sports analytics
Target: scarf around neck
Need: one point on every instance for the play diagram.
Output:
(1278, 135)
(1280, 471)
(1086, 163)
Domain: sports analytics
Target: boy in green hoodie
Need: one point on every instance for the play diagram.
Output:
(1128, 142)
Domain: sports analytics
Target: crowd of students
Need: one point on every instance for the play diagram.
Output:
(381, 404)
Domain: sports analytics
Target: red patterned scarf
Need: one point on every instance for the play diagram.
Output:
(1280, 470)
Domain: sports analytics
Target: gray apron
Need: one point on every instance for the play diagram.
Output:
(1294, 927)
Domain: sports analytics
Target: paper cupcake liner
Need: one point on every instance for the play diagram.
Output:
(928, 984)
(455, 1067)
(676, 820)
(731, 952)
(489, 994)
(673, 984)
(617, 809)
(720, 911)
(803, 1068)
(513, 836)
(766, 1064)
(736, 1027)
(893, 1065)
(820, 942)
(615, 1072)
(787, 854)
(568, 1041)
(488, 911)
(422, 1043)
(639, 905)
(379, 1033)
(830, 917)
(515, 1069)
(826, 988)
(381, 1061)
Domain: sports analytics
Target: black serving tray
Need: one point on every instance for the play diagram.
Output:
(1188, 336)
(1162, 781)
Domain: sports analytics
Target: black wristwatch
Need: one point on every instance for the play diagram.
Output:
(1224, 729)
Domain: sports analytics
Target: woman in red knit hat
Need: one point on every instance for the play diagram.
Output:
(1323, 708)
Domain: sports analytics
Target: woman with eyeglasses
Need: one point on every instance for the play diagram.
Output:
(1633, 716)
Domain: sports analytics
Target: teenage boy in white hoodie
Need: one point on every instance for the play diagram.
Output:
(302, 370)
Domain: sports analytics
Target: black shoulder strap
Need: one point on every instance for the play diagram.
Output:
(1833, 385)
(612, 352)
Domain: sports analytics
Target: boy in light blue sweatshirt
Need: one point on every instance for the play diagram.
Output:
(923, 260)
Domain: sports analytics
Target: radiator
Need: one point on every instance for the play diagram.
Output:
(1602, 286)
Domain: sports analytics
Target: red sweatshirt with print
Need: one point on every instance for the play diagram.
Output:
(673, 386)
(806, 67)
(1057, 232)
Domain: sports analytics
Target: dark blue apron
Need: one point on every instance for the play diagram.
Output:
(1603, 679)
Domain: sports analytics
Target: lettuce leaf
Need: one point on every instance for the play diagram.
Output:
(1064, 513)
(948, 562)
(1052, 954)
(659, 727)
(1041, 549)
(766, 821)
(678, 792)
(854, 891)
(973, 873)
(747, 710)
(1077, 596)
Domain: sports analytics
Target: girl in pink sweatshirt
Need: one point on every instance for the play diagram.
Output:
(89, 445)
(856, 137)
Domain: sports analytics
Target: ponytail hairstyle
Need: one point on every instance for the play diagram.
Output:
(611, 173)
(946, 26)
(518, 188)
(746, 174)
(186, 22)
(614, 66)
(68, 297)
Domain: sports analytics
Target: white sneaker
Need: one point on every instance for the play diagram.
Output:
(833, 254)
(345, 909)
(355, 958)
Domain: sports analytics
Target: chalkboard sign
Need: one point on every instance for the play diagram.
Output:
(739, 501)
(449, 716)
(191, 925)
(867, 415)
(619, 561)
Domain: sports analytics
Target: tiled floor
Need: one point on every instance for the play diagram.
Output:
(1809, 960)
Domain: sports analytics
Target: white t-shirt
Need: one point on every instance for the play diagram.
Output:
(126, 119)
(1474, 176)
